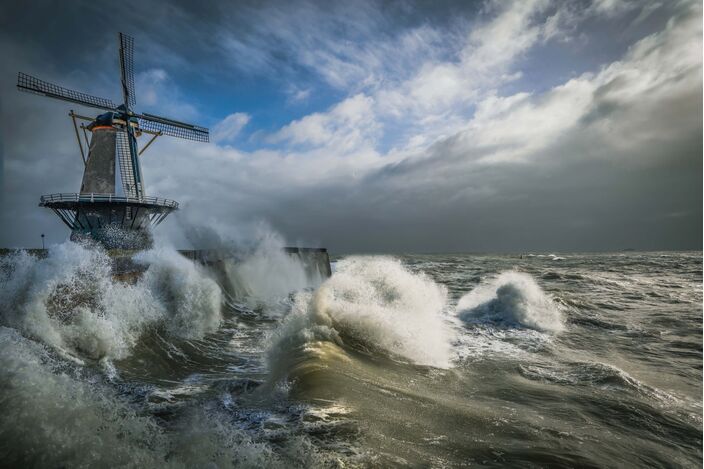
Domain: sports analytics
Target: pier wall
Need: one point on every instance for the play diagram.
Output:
(315, 261)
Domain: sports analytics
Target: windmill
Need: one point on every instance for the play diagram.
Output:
(116, 213)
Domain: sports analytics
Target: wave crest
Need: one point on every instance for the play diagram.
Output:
(265, 279)
(601, 375)
(70, 301)
(371, 303)
(512, 298)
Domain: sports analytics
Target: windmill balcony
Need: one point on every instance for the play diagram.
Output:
(58, 199)
(118, 222)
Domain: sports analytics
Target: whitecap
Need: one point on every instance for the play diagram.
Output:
(511, 299)
(70, 301)
(374, 303)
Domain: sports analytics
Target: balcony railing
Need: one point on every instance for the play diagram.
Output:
(101, 198)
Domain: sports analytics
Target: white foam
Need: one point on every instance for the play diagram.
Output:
(374, 302)
(269, 275)
(512, 298)
(58, 416)
(52, 419)
(70, 301)
(191, 300)
(602, 375)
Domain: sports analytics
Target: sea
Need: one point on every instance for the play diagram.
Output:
(443, 360)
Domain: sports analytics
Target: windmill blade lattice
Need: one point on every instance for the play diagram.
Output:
(164, 126)
(127, 69)
(32, 84)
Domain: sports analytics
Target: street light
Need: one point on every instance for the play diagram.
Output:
(42, 240)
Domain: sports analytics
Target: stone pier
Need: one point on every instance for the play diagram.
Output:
(314, 260)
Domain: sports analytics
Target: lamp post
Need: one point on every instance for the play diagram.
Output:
(42, 240)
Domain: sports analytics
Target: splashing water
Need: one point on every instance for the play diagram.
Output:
(70, 301)
(268, 275)
(374, 303)
(512, 298)
(190, 301)
(161, 372)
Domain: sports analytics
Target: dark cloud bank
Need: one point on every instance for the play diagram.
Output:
(608, 158)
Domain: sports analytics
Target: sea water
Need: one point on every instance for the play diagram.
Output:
(589, 360)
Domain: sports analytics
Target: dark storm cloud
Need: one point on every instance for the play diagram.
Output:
(423, 152)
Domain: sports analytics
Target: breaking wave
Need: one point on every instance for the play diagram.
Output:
(50, 409)
(372, 304)
(342, 386)
(70, 301)
(268, 275)
(511, 299)
(59, 415)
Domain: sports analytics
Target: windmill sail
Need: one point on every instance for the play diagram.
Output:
(164, 126)
(32, 84)
(127, 69)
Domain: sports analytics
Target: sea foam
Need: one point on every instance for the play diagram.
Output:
(60, 415)
(267, 276)
(372, 303)
(511, 299)
(70, 301)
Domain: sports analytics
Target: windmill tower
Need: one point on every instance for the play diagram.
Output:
(115, 212)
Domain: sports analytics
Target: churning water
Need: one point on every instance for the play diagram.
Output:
(587, 360)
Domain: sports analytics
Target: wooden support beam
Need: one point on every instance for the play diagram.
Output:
(85, 136)
(78, 137)
(85, 118)
(155, 135)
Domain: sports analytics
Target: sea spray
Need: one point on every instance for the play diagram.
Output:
(373, 303)
(70, 301)
(268, 274)
(512, 299)
(54, 416)
(525, 398)
(190, 299)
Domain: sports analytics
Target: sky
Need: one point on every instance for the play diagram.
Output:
(378, 126)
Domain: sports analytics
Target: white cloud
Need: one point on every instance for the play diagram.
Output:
(611, 7)
(602, 120)
(427, 146)
(346, 127)
(230, 127)
(426, 101)
(350, 47)
(298, 95)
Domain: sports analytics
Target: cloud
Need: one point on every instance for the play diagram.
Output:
(595, 151)
(446, 136)
(346, 127)
(344, 46)
(432, 98)
(230, 127)
(612, 7)
(297, 95)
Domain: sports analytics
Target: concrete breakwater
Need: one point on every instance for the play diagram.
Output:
(315, 261)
